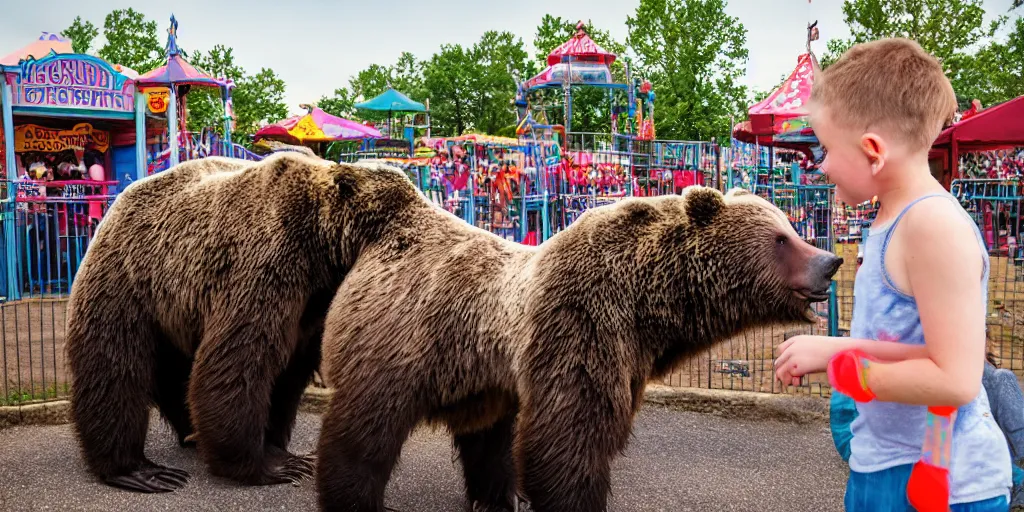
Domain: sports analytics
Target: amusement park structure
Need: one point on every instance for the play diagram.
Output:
(529, 187)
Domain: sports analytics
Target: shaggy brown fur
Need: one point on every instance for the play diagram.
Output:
(207, 285)
(542, 352)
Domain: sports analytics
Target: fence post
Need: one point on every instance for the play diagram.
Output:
(833, 310)
(10, 202)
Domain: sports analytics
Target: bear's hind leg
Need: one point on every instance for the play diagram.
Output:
(487, 467)
(229, 396)
(284, 404)
(112, 367)
(360, 442)
(172, 374)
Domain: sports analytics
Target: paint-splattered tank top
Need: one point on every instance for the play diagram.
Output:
(887, 434)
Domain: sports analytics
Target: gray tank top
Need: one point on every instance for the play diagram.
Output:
(887, 434)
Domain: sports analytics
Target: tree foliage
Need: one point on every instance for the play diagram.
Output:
(131, 40)
(82, 34)
(694, 53)
(448, 76)
(256, 98)
(996, 72)
(955, 31)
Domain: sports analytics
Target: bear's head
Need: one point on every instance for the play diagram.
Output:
(749, 261)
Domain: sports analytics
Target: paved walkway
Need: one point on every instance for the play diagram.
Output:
(677, 461)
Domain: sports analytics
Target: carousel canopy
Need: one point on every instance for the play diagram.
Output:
(38, 49)
(788, 101)
(580, 48)
(391, 101)
(178, 71)
(583, 59)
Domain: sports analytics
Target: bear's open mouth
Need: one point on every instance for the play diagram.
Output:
(812, 295)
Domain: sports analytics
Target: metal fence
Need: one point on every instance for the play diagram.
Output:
(46, 238)
(746, 362)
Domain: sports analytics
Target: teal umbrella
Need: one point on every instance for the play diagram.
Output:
(391, 101)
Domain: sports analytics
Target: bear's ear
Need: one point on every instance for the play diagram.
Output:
(346, 183)
(737, 192)
(703, 205)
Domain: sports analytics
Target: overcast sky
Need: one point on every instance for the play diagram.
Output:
(315, 46)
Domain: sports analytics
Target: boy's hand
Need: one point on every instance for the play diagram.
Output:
(801, 355)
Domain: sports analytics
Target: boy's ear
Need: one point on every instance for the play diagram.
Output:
(876, 149)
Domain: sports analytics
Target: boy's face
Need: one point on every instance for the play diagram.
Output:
(845, 163)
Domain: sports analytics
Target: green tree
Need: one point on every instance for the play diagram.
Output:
(497, 59)
(258, 99)
(693, 52)
(448, 77)
(996, 72)
(341, 103)
(82, 34)
(131, 40)
(205, 106)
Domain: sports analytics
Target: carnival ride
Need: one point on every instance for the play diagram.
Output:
(529, 187)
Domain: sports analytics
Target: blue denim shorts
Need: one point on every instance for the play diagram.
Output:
(886, 491)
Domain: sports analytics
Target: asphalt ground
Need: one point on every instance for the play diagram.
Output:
(677, 461)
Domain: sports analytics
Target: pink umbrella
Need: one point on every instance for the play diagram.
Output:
(316, 126)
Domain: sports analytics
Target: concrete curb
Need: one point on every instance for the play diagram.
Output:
(745, 405)
(40, 413)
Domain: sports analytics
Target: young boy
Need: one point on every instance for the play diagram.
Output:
(917, 346)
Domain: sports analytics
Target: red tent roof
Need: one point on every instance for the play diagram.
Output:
(788, 101)
(995, 126)
(582, 47)
(177, 71)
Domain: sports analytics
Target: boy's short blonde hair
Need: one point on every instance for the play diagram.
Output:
(891, 84)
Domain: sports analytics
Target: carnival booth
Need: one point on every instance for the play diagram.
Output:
(995, 131)
(64, 116)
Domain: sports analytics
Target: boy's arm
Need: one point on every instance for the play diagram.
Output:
(944, 269)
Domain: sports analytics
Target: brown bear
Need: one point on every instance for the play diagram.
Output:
(536, 358)
(204, 293)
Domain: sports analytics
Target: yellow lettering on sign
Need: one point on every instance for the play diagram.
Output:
(29, 137)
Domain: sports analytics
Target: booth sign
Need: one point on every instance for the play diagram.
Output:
(157, 99)
(71, 81)
(30, 137)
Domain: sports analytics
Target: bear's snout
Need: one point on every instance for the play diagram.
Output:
(821, 268)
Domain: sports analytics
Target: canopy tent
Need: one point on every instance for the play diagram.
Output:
(316, 126)
(38, 49)
(178, 72)
(391, 101)
(996, 127)
(789, 101)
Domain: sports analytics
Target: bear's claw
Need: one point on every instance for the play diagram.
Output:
(151, 479)
(293, 469)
